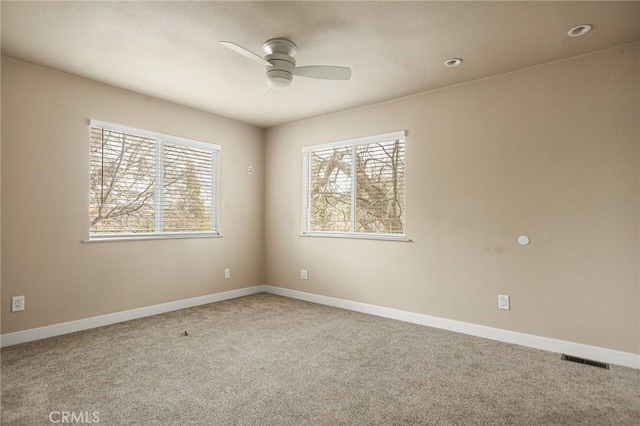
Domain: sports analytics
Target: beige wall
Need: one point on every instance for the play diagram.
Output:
(550, 152)
(45, 204)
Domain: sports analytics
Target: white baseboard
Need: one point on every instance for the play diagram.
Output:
(545, 343)
(99, 321)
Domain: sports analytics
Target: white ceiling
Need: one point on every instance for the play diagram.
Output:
(170, 50)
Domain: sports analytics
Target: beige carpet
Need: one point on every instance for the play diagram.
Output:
(268, 360)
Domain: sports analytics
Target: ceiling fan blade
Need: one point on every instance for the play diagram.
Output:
(244, 52)
(325, 72)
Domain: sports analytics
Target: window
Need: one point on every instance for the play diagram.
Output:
(146, 184)
(356, 187)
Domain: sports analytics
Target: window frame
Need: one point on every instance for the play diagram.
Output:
(160, 139)
(306, 188)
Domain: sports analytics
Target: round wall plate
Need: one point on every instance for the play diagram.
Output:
(523, 240)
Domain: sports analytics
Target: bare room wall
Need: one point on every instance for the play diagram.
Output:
(45, 195)
(550, 152)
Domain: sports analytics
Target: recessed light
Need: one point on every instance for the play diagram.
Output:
(453, 62)
(579, 30)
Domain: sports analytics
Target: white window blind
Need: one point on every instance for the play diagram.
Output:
(143, 184)
(356, 187)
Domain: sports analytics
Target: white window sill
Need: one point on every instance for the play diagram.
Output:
(355, 236)
(138, 237)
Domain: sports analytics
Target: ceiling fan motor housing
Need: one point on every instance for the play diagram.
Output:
(280, 73)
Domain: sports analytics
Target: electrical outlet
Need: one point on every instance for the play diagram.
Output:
(304, 274)
(503, 301)
(227, 274)
(17, 303)
(250, 170)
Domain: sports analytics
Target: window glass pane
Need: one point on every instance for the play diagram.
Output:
(356, 186)
(122, 177)
(187, 189)
(380, 187)
(143, 183)
(330, 186)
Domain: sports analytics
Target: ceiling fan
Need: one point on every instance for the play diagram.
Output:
(280, 67)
